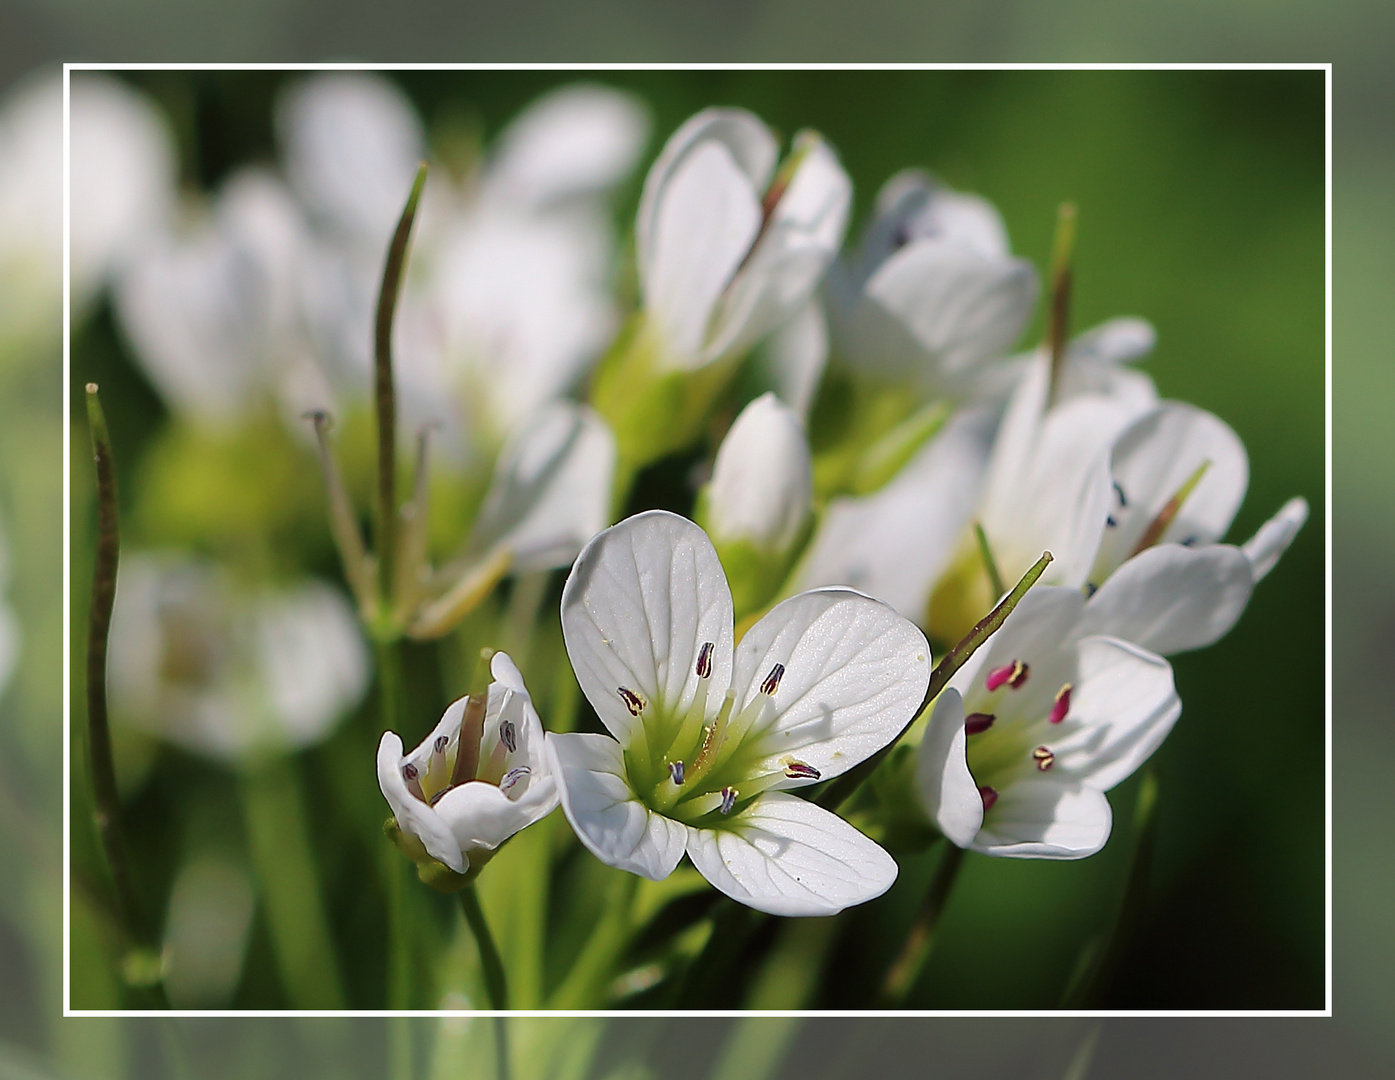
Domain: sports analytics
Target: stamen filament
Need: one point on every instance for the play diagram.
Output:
(1169, 512)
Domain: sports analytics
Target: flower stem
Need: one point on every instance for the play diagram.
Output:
(906, 968)
(384, 395)
(494, 980)
(990, 564)
(838, 791)
(142, 965)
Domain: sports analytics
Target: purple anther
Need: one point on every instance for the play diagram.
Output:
(508, 735)
(989, 796)
(1044, 758)
(632, 701)
(513, 776)
(977, 723)
(704, 660)
(797, 770)
(675, 771)
(772, 681)
(1062, 705)
(728, 799)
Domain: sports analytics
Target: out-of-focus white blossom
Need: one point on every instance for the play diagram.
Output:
(728, 249)
(227, 672)
(933, 292)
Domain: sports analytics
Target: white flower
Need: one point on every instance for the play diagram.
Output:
(1036, 727)
(762, 483)
(461, 819)
(229, 673)
(933, 291)
(725, 254)
(1161, 579)
(506, 297)
(709, 739)
(210, 308)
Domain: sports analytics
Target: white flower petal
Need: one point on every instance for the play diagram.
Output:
(351, 143)
(1046, 819)
(122, 177)
(705, 222)
(1151, 462)
(946, 786)
(1116, 341)
(642, 599)
(854, 674)
(960, 307)
(1123, 706)
(749, 142)
(414, 816)
(794, 248)
(312, 659)
(1274, 536)
(1170, 598)
(480, 815)
(577, 140)
(609, 820)
(762, 480)
(551, 489)
(786, 856)
(895, 543)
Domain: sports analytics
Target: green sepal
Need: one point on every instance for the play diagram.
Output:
(654, 408)
(431, 870)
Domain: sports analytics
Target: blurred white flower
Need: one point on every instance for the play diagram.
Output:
(459, 810)
(122, 173)
(226, 672)
(506, 299)
(729, 249)
(933, 292)
(708, 739)
(209, 305)
(575, 143)
(1036, 727)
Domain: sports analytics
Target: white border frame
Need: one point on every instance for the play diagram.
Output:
(68, 1011)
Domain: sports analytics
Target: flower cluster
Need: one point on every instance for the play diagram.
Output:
(870, 464)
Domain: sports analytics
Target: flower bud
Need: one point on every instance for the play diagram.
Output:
(757, 506)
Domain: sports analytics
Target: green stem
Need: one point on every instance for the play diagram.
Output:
(906, 968)
(284, 859)
(384, 395)
(838, 791)
(990, 565)
(495, 982)
(142, 965)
